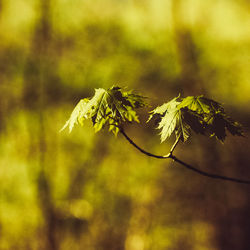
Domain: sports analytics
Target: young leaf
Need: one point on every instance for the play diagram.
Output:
(200, 104)
(194, 120)
(169, 117)
(112, 107)
(196, 113)
(76, 114)
(168, 123)
(220, 122)
(233, 127)
(161, 110)
(182, 130)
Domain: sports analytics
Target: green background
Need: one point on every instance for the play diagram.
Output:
(94, 191)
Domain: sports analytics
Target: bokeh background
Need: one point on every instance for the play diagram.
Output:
(94, 191)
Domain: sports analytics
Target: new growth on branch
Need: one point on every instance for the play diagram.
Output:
(180, 117)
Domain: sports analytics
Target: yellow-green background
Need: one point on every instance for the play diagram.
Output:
(94, 191)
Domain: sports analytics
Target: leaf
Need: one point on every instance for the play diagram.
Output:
(76, 114)
(168, 124)
(194, 121)
(173, 120)
(233, 127)
(183, 130)
(200, 104)
(161, 110)
(112, 107)
(219, 123)
(217, 127)
(194, 113)
(168, 116)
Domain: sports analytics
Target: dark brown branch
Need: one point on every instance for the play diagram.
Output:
(171, 156)
(221, 177)
(140, 149)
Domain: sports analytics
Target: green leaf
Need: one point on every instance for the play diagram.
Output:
(233, 127)
(183, 130)
(112, 107)
(78, 112)
(219, 123)
(200, 104)
(168, 124)
(194, 113)
(169, 119)
(216, 127)
(161, 110)
(194, 120)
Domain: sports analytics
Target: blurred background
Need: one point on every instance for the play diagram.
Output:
(94, 191)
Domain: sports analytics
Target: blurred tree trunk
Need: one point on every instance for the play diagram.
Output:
(188, 54)
(34, 99)
(42, 39)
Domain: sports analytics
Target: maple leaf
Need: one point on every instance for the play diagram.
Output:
(194, 113)
(168, 123)
(113, 107)
(78, 112)
(160, 111)
(169, 119)
(201, 104)
(219, 123)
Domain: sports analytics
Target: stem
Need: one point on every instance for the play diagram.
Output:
(221, 177)
(175, 144)
(140, 149)
(171, 156)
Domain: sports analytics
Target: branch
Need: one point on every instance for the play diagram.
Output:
(221, 177)
(171, 156)
(174, 145)
(140, 149)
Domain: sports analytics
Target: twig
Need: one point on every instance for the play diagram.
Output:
(171, 156)
(140, 149)
(208, 174)
(174, 145)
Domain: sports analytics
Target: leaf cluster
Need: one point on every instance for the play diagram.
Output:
(112, 107)
(180, 116)
(194, 113)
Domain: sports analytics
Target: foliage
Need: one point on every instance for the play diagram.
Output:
(113, 107)
(194, 113)
(136, 202)
(180, 115)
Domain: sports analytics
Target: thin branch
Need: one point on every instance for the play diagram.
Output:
(221, 177)
(171, 156)
(140, 149)
(175, 144)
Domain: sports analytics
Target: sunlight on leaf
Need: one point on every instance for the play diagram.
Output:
(194, 113)
(112, 107)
